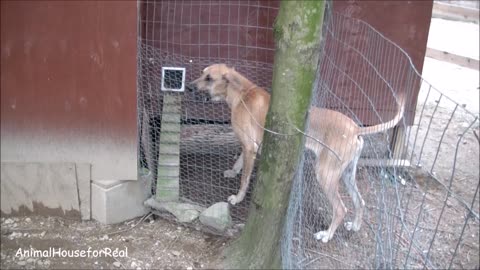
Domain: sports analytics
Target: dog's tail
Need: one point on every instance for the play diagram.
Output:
(390, 124)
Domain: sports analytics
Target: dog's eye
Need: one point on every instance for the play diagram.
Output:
(208, 78)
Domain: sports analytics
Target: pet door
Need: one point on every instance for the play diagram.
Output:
(173, 79)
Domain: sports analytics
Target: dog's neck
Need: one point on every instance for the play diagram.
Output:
(237, 89)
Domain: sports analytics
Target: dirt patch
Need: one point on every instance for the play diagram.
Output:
(152, 244)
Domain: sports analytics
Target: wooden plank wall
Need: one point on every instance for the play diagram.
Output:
(460, 11)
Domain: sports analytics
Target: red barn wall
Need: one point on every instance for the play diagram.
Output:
(243, 31)
(406, 23)
(68, 84)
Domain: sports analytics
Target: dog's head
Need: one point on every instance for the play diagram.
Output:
(214, 81)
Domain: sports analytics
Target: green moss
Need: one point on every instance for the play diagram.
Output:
(297, 32)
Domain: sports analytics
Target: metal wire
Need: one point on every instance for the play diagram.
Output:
(415, 182)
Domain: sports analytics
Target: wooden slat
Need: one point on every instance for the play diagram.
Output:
(453, 58)
(370, 162)
(452, 12)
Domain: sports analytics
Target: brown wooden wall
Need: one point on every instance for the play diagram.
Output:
(68, 84)
(405, 23)
(217, 31)
(214, 29)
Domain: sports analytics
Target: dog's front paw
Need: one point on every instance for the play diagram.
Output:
(229, 174)
(233, 199)
(348, 225)
(322, 235)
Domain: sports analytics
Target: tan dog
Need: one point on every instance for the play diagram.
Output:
(334, 138)
(244, 99)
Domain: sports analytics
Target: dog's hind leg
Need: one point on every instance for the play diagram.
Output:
(237, 167)
(349, 178)
(249, 155)
(329, 183)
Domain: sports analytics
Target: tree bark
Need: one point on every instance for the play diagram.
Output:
(297, 33)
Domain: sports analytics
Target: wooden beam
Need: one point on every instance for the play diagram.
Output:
(453, 58)
(453, 12)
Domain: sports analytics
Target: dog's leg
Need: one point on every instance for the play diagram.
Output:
(248, 161)
(349, 178)
(237, 167)
(329, 183)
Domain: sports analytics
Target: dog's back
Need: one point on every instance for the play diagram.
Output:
(334, 129)
(248, 116)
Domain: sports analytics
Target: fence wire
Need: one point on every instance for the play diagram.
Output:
(421, 200)
(194, 35)
(419, 180)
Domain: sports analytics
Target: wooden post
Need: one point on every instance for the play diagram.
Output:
(399, 146)
(168, 178)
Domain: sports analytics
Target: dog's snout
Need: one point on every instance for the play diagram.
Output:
(197, 94)
(191, 87)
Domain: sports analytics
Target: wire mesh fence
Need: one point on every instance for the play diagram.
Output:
(193, 35)
(419, 181)
(421, 198)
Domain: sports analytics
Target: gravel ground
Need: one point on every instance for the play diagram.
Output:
(141, 244)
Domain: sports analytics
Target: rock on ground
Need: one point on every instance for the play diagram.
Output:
(217, 216)
(184, 212)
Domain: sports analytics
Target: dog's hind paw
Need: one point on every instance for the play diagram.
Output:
(351, 226)
(229, 174)
(322, 235)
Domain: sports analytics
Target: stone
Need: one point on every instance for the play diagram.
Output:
(217, 216)
(22, 263)
(117, 264)
(240, 226)
(14, 235)
(117, 201)
(8, 221)
(175, 253)
(184, 212)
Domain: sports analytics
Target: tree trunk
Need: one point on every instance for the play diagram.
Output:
(297, 33)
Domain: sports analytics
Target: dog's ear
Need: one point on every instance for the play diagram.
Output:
(231, 79)
(225, 77)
